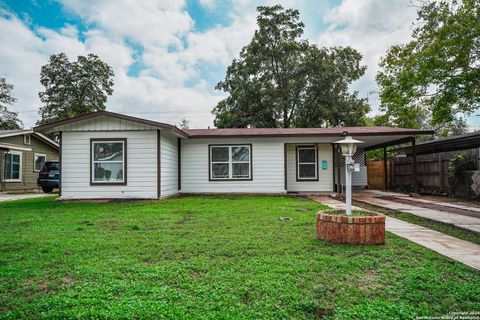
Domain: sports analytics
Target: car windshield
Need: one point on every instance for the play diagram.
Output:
(51, 166)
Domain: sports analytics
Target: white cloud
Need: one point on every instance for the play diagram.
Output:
(147, 22)
(371, 27)
(159, 39)
(209, 4)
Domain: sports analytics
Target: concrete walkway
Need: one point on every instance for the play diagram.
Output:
(10, 197)
(469, 220)
(460, 250)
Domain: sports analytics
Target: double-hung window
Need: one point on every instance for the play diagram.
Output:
(108, 161)
(307, 163)
(230, 162)
(12, 167)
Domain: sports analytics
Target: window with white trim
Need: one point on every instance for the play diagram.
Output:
(307, 163)
(39, 161)
(27, 139)
(231, 162)
(12, 166)
(108, 161)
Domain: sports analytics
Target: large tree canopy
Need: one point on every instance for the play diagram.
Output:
(8, 119)
(434, 80)
(74, 88)
(281, 80)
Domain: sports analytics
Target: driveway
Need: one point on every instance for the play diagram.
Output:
(10, 197)
(463, 251)
(460, 214)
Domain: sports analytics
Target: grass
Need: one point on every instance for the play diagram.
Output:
(449, 229)
(355, 213)
(211, 257)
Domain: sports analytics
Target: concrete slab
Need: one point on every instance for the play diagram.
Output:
(463, 251)
(10, 197)
(463, 206)
(332, 203)
(458, 220)
(460, 250)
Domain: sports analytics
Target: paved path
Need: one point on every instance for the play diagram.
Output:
(10, 197)
(469, 220)
(460, 250)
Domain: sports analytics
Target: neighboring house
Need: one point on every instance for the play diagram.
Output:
(110, 155)
(22, 155)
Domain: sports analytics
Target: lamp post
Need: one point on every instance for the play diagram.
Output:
(348, 147)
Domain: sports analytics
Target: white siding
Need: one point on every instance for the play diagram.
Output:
(267, 167)
(359, 179)
(104, 123)
(325, 176)
(141, 166)
(169, 164)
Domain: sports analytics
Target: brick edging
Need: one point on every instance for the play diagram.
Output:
(352, 230)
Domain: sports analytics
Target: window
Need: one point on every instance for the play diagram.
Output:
(108, 161)
(12, 167)
(27, 139)
(307, 166)
(231, 162)
(39, 161)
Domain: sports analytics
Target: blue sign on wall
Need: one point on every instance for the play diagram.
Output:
(324, 165)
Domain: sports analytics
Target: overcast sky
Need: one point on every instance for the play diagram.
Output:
(169, 54)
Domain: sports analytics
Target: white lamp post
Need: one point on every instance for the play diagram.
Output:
(348, 147)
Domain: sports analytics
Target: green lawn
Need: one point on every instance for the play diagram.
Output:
(211, 257)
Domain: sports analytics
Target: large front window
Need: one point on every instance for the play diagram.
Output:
(230, 162)
(12, 167)
(108, 161)
(307, 164)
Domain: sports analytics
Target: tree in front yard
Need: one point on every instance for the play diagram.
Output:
(74, 88)
(8, 119)
(434, 80)
(281, 80)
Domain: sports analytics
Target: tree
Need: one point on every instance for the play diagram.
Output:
(434, 80)
(281, 80)
(74, 88)
(8, 119)
(184, 124)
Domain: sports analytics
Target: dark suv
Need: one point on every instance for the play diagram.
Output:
(48, 178)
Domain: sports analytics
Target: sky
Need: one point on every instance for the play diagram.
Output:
(168, 55)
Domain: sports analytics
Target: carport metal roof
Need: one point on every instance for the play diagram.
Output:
(455, 143)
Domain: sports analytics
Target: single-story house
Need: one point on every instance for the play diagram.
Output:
(110, 155)
(22, 155)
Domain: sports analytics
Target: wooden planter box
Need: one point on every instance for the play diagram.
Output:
(351, 229)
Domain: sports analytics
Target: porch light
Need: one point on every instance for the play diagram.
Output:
(348, 147)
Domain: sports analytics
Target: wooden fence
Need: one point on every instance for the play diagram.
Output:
(376, 174)
(432, 173)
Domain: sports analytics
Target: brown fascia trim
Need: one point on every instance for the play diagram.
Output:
(113, 115)
(391, 133)
(186, 135)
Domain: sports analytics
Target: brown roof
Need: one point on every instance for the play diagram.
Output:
(242, 132)
(277, 132)
(113, 115)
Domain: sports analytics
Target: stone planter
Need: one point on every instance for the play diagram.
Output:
(334, 227)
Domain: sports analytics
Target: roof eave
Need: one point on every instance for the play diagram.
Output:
(113, 115)
(391, 133)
